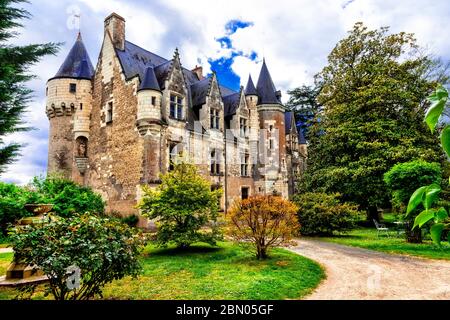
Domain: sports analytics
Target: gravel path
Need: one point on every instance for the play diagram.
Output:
(355, 273)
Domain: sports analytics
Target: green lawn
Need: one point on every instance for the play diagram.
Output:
(367, 238)
(226, 272)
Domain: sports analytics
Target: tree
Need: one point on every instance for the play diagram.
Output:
(14, 64)
(182, 205)
(427, 196)
(373, 92)
(402, 180)
(322, 214)
(264, 222)
(303, 102)
(101, 249)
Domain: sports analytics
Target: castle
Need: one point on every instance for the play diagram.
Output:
(118, 126)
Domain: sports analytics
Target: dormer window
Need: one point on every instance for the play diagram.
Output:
(73, 88)
(215, 119)
(176, 107)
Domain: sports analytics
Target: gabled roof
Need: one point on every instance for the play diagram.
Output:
(149, 82)
(77, 64)
(265, 87)
(250, 87)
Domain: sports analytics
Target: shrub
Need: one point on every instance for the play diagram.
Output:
(12, 201)
(263, 221)
(322, 214)
(182, 205)
(404, 178)
(68, 197)
(103, 249)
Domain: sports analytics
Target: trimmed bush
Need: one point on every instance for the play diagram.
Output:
(322, 214)
(404, 178)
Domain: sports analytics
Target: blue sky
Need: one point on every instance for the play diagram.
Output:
(229, 37)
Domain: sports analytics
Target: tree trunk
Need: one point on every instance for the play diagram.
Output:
(372, 213)
(413, 236)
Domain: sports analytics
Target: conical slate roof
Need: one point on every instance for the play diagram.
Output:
(149, 82)
(265, 87)
(77, 65)
(250, 87)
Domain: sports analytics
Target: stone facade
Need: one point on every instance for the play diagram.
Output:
(135, 113)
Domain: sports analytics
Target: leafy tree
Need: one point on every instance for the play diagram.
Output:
(15, 61)
(182, 205)
(404, 178)
(66, 196)
(427, 196)
(373, 96)
(303, 102)
(322, 214)
(103, 249)
(264, 222)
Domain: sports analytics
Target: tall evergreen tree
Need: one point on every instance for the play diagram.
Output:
(374, 96)
(303, 102)
(14, 64)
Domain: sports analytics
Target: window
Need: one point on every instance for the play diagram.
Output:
(176, 107)
(215, 162)
(73, 88)
(270, 128)
(271, 144)
(109, 113)
(215, 119)
(244, 165)
(153, 101)
(81, 106)
(244, 193)
(175, 150)
(243, 127)
(46, 91)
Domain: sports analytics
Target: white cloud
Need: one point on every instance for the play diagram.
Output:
(295, 37)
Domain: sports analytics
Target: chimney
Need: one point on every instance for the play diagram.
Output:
(198, 70)
(115, 25)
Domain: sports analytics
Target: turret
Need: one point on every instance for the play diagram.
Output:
(69, 103)
(149, 103)
(272, 122)
(149, 122)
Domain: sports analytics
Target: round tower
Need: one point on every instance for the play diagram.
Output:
(272, 121)
(148, 122)
(251, 98)
(68, 108)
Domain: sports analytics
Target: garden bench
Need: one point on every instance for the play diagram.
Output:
(380, 228)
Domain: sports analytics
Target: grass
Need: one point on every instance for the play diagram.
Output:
(226, 272)
(367, 238)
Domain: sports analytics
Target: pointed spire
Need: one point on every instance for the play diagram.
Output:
(77, 64)
(149, 82)
(250, 88)
(265, 87)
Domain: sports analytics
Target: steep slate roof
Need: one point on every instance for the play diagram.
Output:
(231, 103)
(77, 64)
(250, 87)
(149, 81)
(199, 91)
(265, 87)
